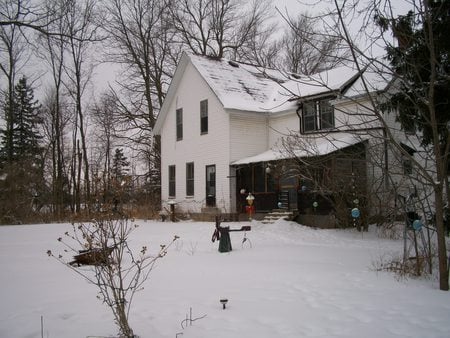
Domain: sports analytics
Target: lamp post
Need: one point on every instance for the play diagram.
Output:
(250, 208)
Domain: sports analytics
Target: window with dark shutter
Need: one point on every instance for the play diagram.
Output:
(179, 118)
(172, 181)
(204, 117)
(190, 179)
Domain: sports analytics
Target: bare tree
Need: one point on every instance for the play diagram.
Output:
(117, 269)
(142, 42)
(23, 14)
(104, 117)
(55, 122)
(260, 44)
(80, 21)
(436, 178)
(219, 28)
(53, 51)
(307, 49)
(430, 169)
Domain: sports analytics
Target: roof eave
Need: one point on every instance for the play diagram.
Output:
(181, 67)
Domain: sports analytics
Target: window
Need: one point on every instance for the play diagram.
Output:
(309, 116)
(326, 114)
(190, 179)
(179, 118)
(210, 185)
(204, 117)
(407, 163)
(407, 166)
(171, 181)
(317, 115)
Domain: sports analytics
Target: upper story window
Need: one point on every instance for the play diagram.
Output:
(407, 162)
(204, 117)
(179, 118)
(317, 115)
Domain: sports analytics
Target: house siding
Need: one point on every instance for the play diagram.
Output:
(201, 149)
(248, 135)
(280, 126)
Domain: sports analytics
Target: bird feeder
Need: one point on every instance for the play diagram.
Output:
(172, 204)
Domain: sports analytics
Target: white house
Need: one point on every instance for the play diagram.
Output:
(225, 126)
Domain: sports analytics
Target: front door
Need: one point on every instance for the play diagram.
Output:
(211, 185)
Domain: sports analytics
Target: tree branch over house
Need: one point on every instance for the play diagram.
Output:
(409, 113)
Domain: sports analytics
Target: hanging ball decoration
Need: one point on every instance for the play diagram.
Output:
(280, 205)
(417, 224)
(315, 204)
(356, 213)
(304, 188)
(356, 201)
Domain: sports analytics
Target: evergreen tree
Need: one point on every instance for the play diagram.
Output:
(22, 187)
(21, 140)
(414, 62)
(120, 164)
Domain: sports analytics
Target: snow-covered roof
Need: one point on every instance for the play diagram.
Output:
(251, 88)
(376, 76)
(244, 87)
(313, 145)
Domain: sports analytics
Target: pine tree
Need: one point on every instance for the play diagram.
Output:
(21, 140)
(120, 164)
(413, 60)
(22, 188)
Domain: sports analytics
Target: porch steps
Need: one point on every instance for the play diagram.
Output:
(276, 214)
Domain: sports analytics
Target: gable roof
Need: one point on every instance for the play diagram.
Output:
(245, 87)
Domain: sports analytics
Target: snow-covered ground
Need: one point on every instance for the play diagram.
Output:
(293, 281)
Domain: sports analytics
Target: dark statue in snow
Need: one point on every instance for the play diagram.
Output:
(222, 234)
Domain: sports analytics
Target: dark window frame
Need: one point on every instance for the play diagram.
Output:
(190, 179)
(309, 116)
(172, 181)
(179, 123)
(204, 117)
(317, 115)
(326, 114)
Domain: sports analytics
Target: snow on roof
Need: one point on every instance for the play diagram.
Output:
(314, 145)
(377, 77)
(251, 88)
(246, 87)
(327, 81)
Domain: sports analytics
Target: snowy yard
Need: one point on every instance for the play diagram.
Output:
(293, 282)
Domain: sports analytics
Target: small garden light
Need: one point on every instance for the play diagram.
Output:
(224, 302)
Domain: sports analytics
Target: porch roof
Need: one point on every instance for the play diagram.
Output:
(308, 146)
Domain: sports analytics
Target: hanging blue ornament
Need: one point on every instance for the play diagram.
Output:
(315, 204)
(417, 224)
(356, 213)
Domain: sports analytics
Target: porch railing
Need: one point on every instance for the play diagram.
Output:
(283, 200)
